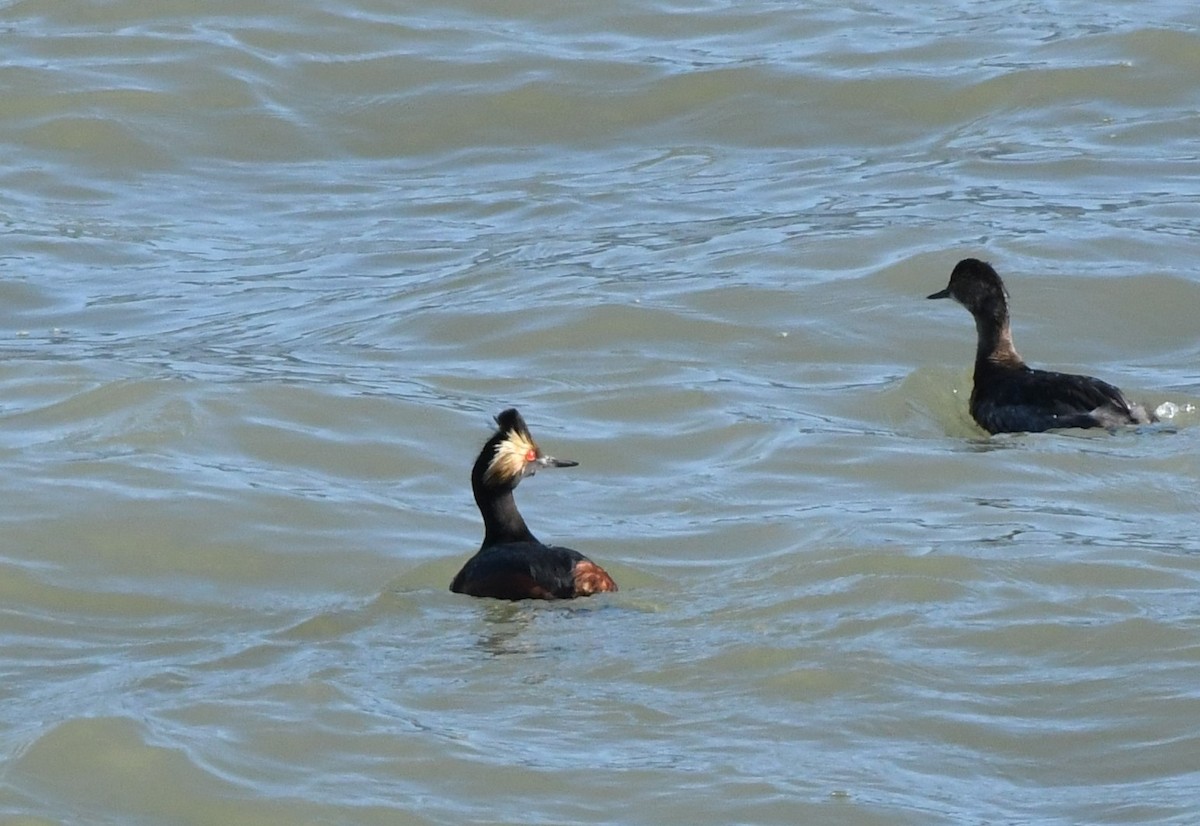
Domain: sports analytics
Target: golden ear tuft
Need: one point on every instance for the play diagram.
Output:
(510, 459)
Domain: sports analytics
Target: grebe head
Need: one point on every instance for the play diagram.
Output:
(976, 286)
(511, 454)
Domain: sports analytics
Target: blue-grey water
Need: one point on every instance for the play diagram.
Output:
(267, 271)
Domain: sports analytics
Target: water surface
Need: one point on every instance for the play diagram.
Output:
(267, 274)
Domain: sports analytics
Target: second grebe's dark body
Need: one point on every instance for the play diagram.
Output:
(511, 563)
(1007, 395)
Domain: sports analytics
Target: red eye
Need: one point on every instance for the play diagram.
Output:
(531, 455)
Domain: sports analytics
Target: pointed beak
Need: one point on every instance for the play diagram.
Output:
(550, 461)
(940, 294)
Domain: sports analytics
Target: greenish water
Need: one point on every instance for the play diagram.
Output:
(267, 273)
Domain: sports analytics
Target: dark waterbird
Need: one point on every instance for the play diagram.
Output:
(511, 562)
(1008, 396)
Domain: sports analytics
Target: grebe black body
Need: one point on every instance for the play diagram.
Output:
(1010, 397)
(511, 562)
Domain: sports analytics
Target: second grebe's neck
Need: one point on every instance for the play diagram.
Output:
(995, 341)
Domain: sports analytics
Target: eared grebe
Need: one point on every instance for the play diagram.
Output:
(512, 563)
(1010, 397)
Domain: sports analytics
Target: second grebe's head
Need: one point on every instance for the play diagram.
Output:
(511, 454)
(975, 285)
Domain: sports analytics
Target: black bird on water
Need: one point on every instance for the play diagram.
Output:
(1009, 396)
(511, 563)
